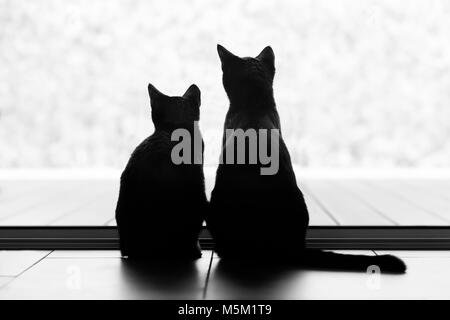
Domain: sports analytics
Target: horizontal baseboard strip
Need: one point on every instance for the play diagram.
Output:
(96, 238)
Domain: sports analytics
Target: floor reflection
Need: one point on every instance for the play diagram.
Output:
(258, 280)
(163, 279)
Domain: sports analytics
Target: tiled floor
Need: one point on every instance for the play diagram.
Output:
(331, 201)
(104, 275)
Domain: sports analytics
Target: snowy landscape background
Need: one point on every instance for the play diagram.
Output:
(358, 83)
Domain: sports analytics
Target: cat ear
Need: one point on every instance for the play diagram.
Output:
(193, 94)
(225, 55)
(154, 94)
(267, 57)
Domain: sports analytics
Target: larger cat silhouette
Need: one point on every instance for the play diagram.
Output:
(162, 204)
(264, 217)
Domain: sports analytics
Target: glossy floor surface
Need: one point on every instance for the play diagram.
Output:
(105, 275)
(331, 202)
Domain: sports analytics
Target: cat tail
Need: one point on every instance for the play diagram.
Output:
(318, 259)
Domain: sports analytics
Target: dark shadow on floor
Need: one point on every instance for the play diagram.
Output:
(262, 279)
(249, 280)
(163, 279)
(250, 273)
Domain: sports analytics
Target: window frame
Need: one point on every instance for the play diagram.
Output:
(319, 237)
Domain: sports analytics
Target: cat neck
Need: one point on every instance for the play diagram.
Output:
(263, 101)
(252, 105)
(265, 117)
(169, 128)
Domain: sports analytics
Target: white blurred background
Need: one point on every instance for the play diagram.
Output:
(362, 84)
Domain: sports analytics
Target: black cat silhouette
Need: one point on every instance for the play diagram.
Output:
(161, 204)
(264, 217)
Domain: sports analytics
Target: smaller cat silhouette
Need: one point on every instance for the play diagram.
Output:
(161, 205)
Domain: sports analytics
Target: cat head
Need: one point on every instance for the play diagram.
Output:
(248, 79)
(174, 112)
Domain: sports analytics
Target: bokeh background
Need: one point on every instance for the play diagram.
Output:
(358, 84)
